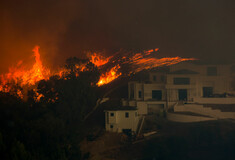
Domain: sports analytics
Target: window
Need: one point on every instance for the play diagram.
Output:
(181, 81)
(207, 91)
(111, 126)
(211, 71)
(154, 78)
(127, 114)
(157, 94)
(140, 94)
(111, 114)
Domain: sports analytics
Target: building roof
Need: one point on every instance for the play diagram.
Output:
(184, 71)
(120, 108)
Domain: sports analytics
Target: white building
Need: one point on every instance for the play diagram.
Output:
(121, 119)
(187, 82)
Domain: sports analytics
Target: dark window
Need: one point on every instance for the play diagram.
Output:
(111, 114)
(180, 81)
(207, 91)
(211, 71)
(157, 94)
(154, 78)
(126, 114)
(111, 126)
(140, 94)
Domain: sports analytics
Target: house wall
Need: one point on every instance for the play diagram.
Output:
(221, 82)
(148, 88)
(145, 89)
(157, 77)
(142, 107)
(120, 122)
(134, 88)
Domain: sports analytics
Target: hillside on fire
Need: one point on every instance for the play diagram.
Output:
(45, 114)
(117, 80)
(55, 125)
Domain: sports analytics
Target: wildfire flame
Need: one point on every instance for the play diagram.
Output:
(98, 60)
(138, 62)
(109, 76)
(18, 75)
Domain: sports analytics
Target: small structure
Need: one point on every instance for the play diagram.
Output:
(121, 119)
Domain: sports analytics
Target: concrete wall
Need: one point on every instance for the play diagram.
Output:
(142, 108)
(221, 82)
(187, 118)
(160, 77)
(148, 88)
(136, 88)
(120, 122)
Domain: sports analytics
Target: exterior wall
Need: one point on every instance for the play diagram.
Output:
(145, 89)
(120, 122)
(157, 77)
(221, 83)
(148, 88)
(142, 108)
(134, 88)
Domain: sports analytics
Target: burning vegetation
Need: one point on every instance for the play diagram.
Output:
(110, 69)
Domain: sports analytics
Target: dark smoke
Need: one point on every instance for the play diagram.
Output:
(187, 28)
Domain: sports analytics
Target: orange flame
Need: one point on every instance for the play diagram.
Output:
(139, 61)
(99, 60)
(18, 75)
(109, 76)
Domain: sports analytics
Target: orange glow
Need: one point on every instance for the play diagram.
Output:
(140, 61)
(151, 51)
(18, 75)
(109, 76)
(99, 60)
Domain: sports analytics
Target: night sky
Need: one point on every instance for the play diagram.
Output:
(203, 29)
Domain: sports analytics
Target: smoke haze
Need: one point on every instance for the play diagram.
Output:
(187, 28)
